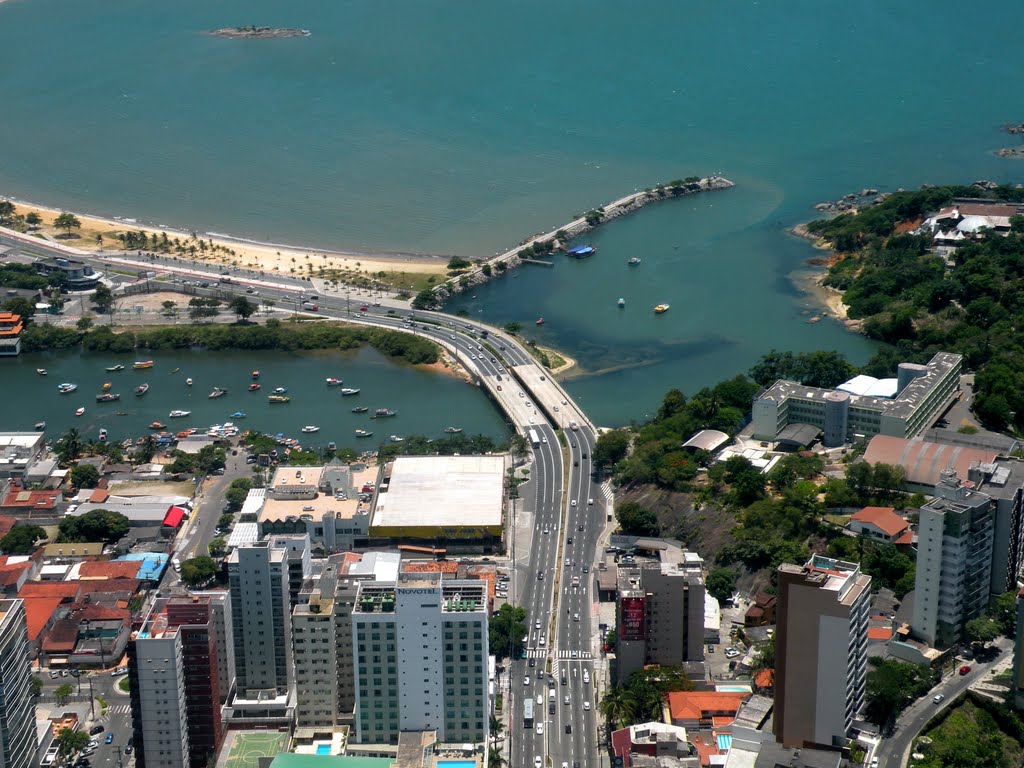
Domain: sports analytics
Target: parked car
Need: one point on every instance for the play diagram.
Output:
(938, 698)
(965, 669)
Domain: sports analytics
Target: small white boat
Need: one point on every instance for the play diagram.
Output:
(188, 382)
(397, 439)
(310, 428)
(79, 411)
(176, 414)
(41, 371)
(66, 388)
(622, 302)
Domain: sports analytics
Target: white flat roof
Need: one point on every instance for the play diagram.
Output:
(383, 566)
(456, 491)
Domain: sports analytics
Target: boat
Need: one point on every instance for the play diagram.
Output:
(142, 364)
(41, 371)
(40, 426)
(633, 261)
(66, 388)
(540, 321)
(280, 390)
(347, 391)
(141, 390)
(360, 409)
(582, 251)
(103, 435)
(79, 411)
(363, 433)
(115, 368)
(217, 392)
(310, 428)
(106, 386)
(661, 309)
(333, 382)
(188, 382)
(254, 387)
(107, 397)
(397, 439)
(332, 446)
(279, 399)
(157, 425)
(622, 302)
(176, 370)
(255, 375)
(238, 415)
(176, 414)
(453, 430)
(383, 413)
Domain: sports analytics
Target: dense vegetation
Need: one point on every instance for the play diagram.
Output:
(915, 301)
(273, 335)
(642, 697)
(892, 686)
(22, 540)
(97, 525)
(976, 734)
(506, 630)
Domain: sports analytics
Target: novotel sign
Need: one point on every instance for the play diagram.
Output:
(418, 590)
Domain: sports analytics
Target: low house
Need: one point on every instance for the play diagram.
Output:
(88, 635)
(881, 524)
(762, 611)
(653, 740)
(703, 709)
(24, 504)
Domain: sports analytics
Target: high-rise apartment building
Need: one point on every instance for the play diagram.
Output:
(660, 612)
(17, 711)
(219, 602)
(420, 654)
(820, 651)
(955, 546)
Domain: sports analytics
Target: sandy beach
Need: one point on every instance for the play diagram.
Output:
(398, 270)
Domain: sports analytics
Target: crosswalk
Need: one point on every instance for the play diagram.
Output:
(119, 709)
(540, 653)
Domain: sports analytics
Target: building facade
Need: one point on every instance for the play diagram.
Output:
(156, 671)
(79, 275)
(420, 652)
(17, 709)
(820, 652)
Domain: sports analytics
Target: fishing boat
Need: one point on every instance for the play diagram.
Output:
(106, 386)
(79, 411)
(107, 397)
(661, 309)
(140, 365)
(280, 390)
(157, 425)
(176, 414)
(279, 399)
(348, 391)
(41, 371)
(397, 439)
(217, 392)
(582, 251)
(360, 409)
(115, 368)
(254, 387)
(383, 413)
(310, 428)
(238, 415)
(141, 390)
(103, 435)
(255, 375)
(633, 261)
(453, 430)
(333, 382)
(540, 321)
(188, 382)
(363, 433)
(66, 388)
(622, 302)
(40, 426)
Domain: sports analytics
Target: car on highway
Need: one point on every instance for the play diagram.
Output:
(586, 569)
(537, 762)
(540, 729)
(575, 617)
(97, 729)
(965, 669)
(533, 663)
(567, 562)
(526, 680)
(938, 698)
(586, 677)
(590, 502)
(109, 739)
(565, 700)
(536, 625)
(543, 641)
(579, 527)
(574, 502)
(586, 706)
(568, 727)
(364, 308)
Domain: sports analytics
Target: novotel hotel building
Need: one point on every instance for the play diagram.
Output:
(420, 655)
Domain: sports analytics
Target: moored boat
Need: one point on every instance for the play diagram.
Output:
(332, 446)
(397, 439)
(188, 382)
(115, 368)
(40, 426)
(661, 309)
(238, 415)
(177, 414)
(582, 251)
(103, 435)
(255, 375)
(333, 382)
(310, 428)
(141, 390)
(363, 433)
(107, 397)
(383, 413)
(280, 390)
(176, 370)
(347, 391)
(254, 387)
(622, 302)
(106, 386)
(80, 411)
(633, 261)
(157, 425)
(140, 365)
(360, 409)
(66, 388)
(217, 392)
(279, 399)
(41, 371)
(453, 430)
(540, 321)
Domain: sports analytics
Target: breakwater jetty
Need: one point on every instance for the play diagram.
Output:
(556, 239)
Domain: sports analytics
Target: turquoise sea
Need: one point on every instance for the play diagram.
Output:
(461, 127)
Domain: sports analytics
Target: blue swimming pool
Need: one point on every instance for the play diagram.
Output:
(456, 764)
(323, 749)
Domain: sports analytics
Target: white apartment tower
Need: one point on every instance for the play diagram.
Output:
(159, 714)
(17, 711)
(420, 656)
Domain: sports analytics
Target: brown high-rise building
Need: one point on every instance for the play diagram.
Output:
(820, 651)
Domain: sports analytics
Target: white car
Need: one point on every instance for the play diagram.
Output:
(731, 653)
(536, 625)
(586, 677)
(575, 617)
(537, 762)
(540, 729)
(543, 641)
(526, 680)
(556, 409)
(574, 502)
(586, 706)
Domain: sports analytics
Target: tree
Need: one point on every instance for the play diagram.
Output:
(84, 323)
(619, 707)
(198, 571)
(69, 447)
(145, 452)
(6, 210)
(209, 458)
(242, 307)
(513, 327)
(103, 299)
(982, 630)
(611, 448)
(95, 525)
(891, 687)
(62, 694)
(764, 659)
(69, 741)
(67, 222)
(36, 685)
(33, 219)
(19, 305)
(218, 547)
(636, 520)
(721, 583)
(85, 476)
(21, 539)
(506, 631)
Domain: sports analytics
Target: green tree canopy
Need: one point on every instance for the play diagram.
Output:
(636, 520)
(506, 631)
(21, 539)
(198, 571)
(85, 476)
(67, 222)
(982, 630)
(70, 741)
(242, 307)
(611, 448)
(95, 525)
(721, 583)
(891, 687)
(103, 299)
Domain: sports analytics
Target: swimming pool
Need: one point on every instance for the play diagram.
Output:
(323, 749)
(456, 764)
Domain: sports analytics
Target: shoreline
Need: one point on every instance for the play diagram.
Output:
(811, 280)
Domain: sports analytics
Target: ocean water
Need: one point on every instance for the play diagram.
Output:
(461, 127)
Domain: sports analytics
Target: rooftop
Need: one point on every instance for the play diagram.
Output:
(923, 462)
(456, 595)
(702, 705)
(838, 576)
(883, 518)
(103, 569)
(21, 499)
(707, 440)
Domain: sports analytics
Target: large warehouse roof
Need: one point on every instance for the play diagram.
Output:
(924, 462)
(442, 491)
(707, 440)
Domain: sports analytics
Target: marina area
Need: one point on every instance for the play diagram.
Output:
(416, 400)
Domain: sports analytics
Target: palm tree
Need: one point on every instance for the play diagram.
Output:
(495, 759)
(70, 446)
(618, 706)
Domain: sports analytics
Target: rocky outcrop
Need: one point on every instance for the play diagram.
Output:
(259, 33)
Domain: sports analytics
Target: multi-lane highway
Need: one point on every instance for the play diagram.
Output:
(563, 505)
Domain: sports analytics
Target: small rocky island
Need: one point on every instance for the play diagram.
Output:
(260, 33)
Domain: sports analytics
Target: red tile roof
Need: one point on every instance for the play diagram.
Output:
(20, 499)
(99, 495)
(702, 705)
(6, 523)
(108, 569)
(923, 462)
(109, 585)
(38, 611)
(765, 678)
(879, 633)
(11, 573)
(68, 590)
(905, 538)
(883, 518)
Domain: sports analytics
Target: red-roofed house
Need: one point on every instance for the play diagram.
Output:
(762, 612)
(882, 524)
(174, 517)
(14, 575)
(696, 709)
(764, 679)
(21, 503)
(654, 739)
(99, 495)
(91, 635)
(108, 569)
(6, 523)
(68, 591)
(40, 615)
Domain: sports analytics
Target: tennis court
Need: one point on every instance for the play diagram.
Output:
(249, 747)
